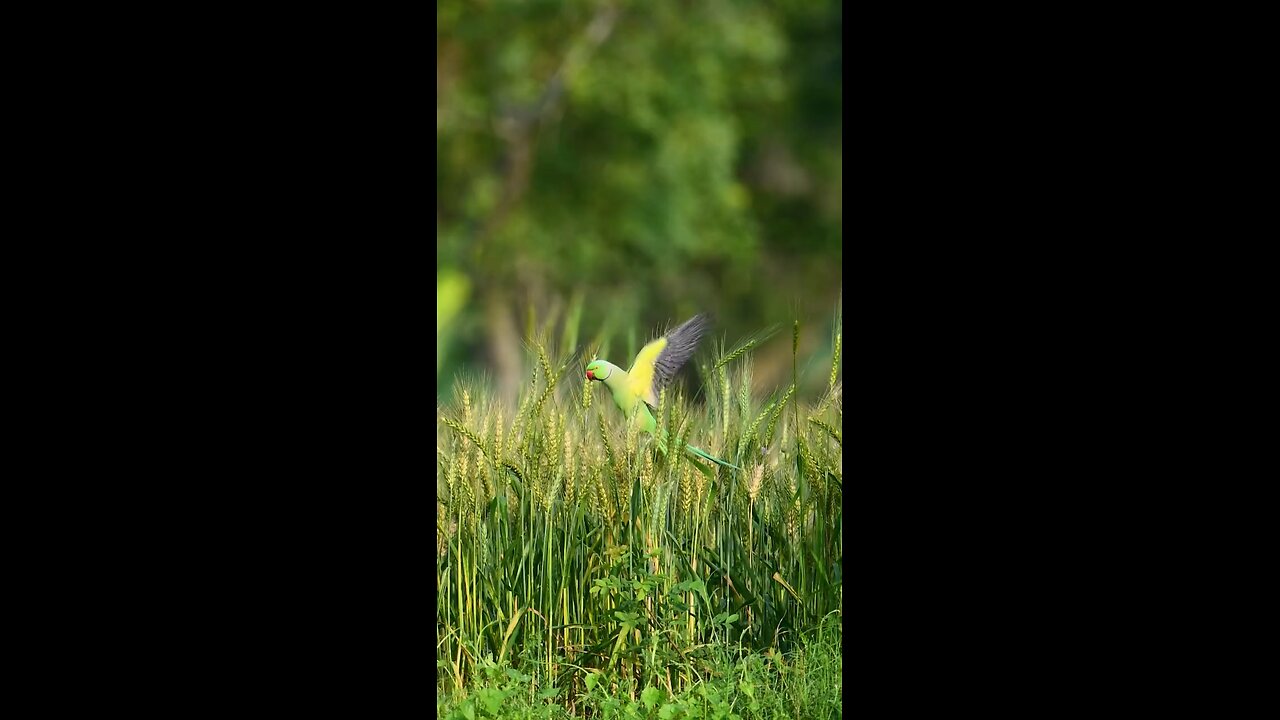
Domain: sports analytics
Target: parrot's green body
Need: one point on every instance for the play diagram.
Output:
(619, 383)
(635, 390)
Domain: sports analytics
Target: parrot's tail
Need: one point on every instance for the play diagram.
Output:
(708, 456)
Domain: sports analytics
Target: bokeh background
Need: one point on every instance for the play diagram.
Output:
(605, 169)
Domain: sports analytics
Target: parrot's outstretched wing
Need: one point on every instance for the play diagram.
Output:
(658, 361)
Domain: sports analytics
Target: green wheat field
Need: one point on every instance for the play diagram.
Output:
(583, 573)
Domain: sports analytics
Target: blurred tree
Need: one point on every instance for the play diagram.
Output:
(657, 158)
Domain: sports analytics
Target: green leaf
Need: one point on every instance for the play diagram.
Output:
(592, 679)
(550, 692)
(725, 618)
(668, 711)
(747, 687)
(469, 710)
(652, 696)
(492, 699)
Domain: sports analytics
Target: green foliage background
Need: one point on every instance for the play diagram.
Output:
(618, 165)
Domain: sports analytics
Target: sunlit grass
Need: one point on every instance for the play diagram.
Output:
(577, 564)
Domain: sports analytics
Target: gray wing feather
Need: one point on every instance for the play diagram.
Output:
(681, 344)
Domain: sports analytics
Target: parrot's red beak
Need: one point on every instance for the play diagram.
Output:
(590, 375)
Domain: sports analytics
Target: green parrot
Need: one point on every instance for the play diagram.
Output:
(653, 368)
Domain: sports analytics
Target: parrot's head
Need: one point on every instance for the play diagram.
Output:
(598, 370)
